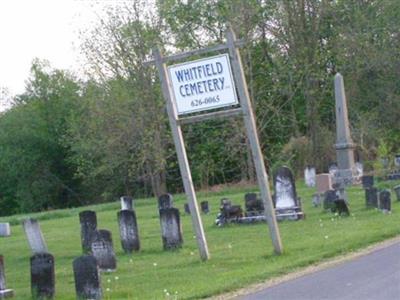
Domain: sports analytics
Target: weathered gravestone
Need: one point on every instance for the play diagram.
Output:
(316, 199)
(371, 197)
(323, 183)
(385, 201)
(88, 221)
(309, 176)
(87, 278)
(367, 181)
(165, 201)
(358, 172)
(341, 207)
(333, 169)
(42, 276)
(228, 212)
(397, 191)
(103, 251)
(126, 203)
(254, 205)
(5, 229)
(397, 160)
(171, 230)
(329, 199)
(4, 292)
(186, 208)
(287, 205)
(34, 235)
(204, 207)
(128, 231)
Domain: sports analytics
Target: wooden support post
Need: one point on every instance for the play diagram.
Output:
(251, 128)
(182, 157)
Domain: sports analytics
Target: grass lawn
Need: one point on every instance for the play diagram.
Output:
(240, 254)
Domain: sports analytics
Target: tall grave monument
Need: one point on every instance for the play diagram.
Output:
(344, 143)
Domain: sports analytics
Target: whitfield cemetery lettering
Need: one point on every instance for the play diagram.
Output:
(203, 84)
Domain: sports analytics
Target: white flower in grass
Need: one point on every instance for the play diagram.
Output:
(108, 289)
(131, 260)
(155, 264)
(108, 280)
(167, 294)
(326, 237)
(229, 246)
(116, 277)
(321, 225)
(165, 290)
(191, 253)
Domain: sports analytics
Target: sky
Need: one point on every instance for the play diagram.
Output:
(44, 29)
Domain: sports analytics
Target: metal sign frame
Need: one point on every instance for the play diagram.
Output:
(245, 110)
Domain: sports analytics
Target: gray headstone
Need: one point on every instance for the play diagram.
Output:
(309, 176)
(165, 201)
(329, 199)
(103, 250)
(126, 203)
(333, 169)
(128, 231)
(171, 230)
(397, 191)
(5, 229)
(385, 201)
(367, 181)
(87, 278)
(285, 189)
(253, 204)
(397, 160)
(4, 292)
(385, 162)
(42, 276)
(186, 208)
(88, 221)
(34, 235)
(371, 197)
(316, 200)
(204, 207)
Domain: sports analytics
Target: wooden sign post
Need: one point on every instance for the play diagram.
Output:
(207, 84)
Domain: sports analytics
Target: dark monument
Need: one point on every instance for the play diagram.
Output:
(371, 197)
(87, 278)
(128, 231)
(4, 292)
(397, 191)
(171, 230)
(329, 199)
(88, 222)
(287, 204)
(228, 213)
(103, 251)
(385, 201)
(254, 205)
(42, 276)
(126, 203)
(165, 201)
(367, 181)
(341, 207)
(204, 207)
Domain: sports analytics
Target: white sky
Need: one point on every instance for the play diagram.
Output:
(44, 29)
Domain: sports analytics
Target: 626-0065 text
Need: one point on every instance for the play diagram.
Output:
(207, 100)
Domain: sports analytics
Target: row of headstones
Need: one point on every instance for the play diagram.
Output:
(380, 199)
(204, 206)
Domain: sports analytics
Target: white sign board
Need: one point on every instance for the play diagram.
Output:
(203, 84)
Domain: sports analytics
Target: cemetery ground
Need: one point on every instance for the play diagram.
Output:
(241, 254)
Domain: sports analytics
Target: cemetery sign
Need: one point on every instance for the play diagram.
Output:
(203, 84)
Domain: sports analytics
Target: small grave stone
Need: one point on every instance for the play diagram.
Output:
(34, 235)
(309, 176)
(103, 250)
(204, 207)
(385, 162)
(316, 200)
(286, 202)
(371, 197)
(367, 181)
(4, 292)
(165, 201)
(333, 169)
(128, 231)
(341, 207)
(385, 201)
(171, 230)
(87, 278)
(329, 199)
(88, 222)
(5, 229)
(253, 205)
(186, 208)
(323, 183)
(397, 191)
(126, 203)
(397, 160)
(42, 276)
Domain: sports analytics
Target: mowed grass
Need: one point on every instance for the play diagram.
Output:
(240, 254)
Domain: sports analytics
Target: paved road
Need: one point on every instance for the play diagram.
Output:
(375, 276)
